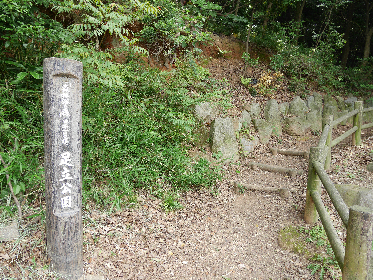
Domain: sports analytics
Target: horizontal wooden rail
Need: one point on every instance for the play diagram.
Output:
(368, 125)
(276, 151)
(327, 223)
(343, 136)
(334, 195)
(274, 168)
(345, 117)
(367, 109)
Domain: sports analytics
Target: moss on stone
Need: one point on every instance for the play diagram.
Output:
(294, 239)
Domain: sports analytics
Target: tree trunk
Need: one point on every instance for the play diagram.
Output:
(368, 38)
(249, 31)
(300, 6)
(368, 33)
(346, 36)
(266, 18)
(237, 6)
(298, 18)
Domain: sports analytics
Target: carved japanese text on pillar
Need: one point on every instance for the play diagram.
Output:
(66, 189)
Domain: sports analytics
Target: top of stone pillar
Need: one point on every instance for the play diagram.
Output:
(62, 67)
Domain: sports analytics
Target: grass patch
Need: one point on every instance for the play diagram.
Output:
(313, 244)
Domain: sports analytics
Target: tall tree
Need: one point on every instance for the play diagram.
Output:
(368, 31)
(347, 32)
(298, 17)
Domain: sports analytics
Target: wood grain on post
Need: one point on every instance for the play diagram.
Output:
(63, 160)
(313, 184)
(358, 122)
(329, 121)
(358, 262)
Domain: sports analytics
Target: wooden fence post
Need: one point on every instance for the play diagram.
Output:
(358, 262)
(357, 121)
(63, 159)
(313, 184)
(328, 143)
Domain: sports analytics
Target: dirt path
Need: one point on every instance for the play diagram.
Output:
(224, 236)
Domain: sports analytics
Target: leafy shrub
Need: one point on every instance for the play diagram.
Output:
(93, 19)
(326, 262)
(27, 37)
(98, 66)
(136, 121)
(359, 79)
(304, 66)
(250, 61)
(229, 24)
(21, 144)
(139, 141)
(175, 29)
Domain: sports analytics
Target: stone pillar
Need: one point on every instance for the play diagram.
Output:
(63, 165)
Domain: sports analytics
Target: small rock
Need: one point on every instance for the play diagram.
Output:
(248, 145)
(318, 99)
(245, 119)
(264, 129)
(294, 126)
(329, 100)
(272, 114)
(9, 232)
(253, 108)
(341, 103)
(370, 167)
(314, 120)
(284, 193)
(350, 103)
(298, 107)
(223, 139)
(284, 108)
(205, 112)
(330, 110)
(237, 124)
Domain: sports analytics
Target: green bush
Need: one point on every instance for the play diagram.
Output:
(137, 122)
(93, 19)
(229, 24)
(138, 137)
(136, 133)
(174, 29)
(21, 145)
(27, 37)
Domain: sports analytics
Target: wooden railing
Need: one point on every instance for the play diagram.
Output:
(354, 260)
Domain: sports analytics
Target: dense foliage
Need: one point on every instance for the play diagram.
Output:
(323, 43)
(137, 122)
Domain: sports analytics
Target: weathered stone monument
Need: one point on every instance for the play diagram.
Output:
(223, 139)
(63, 161)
